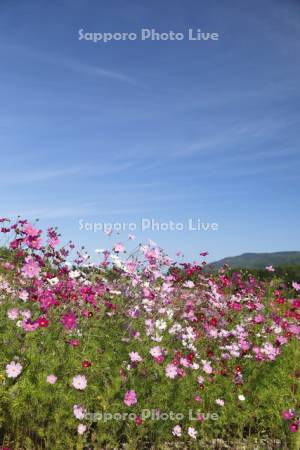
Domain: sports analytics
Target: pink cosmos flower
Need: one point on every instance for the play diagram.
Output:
(177, 431)
(220, 402)
(13, 369)
(31, 231)
(27, 325)
(207, 367)
(192, 432)
(156, 351)
(53, 242)
(130, 398)
(51, 379)
(79, 382)
(69, 321)
(296, 286)
(270, 269)
(23, 295)
(74, 342)
(119, 247)
(171, 371)
(31, 268)
(288, 414)
(81, 428)
(79, 412)
(259, 318)
(13, 313)
(200, 380)
(135, 357)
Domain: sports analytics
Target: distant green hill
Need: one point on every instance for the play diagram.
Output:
(259, 260)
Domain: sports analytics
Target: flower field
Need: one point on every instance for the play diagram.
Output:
(137, 351)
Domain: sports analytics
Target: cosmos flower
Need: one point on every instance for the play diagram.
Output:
(119, 248)
(288, 414)
(13, 369)
(130, 398)
(69, 321)
(135, 357)
(13, 313)
(192, 432)
(81, 428)
(296, 286)
(79, 412)
(31, 268)
(79, 382)
(171, 371)
(51, 379)
(177, 431)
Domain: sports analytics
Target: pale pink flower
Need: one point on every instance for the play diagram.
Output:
(79, 382)
(177, 431)
(51, 379)
(13, 313)
(200, 379)
(23, 295)
(79, 412)
(119, 247)
(207, 367)
(220, 402)
(13, 369)
(81, 428)
(192, 432)
(26, 314)
(188, 284)
(31, 268)
(270, 269)
(135, 357)
(171, 371)
(296, 286)
(156, 351)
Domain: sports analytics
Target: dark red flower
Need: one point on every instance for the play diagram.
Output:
(43, 322)
(138, 420)
(86, 363)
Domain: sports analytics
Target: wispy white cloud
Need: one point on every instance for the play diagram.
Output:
(74, 66)
(235, 137)
(39, 175)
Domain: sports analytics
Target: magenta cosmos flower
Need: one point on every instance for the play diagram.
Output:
(69, 321)
(130, 398)
(288, 414)
(294, 427)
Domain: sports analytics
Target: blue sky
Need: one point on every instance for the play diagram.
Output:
(168, 130)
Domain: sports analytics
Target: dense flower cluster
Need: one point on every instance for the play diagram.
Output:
(176, 323)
